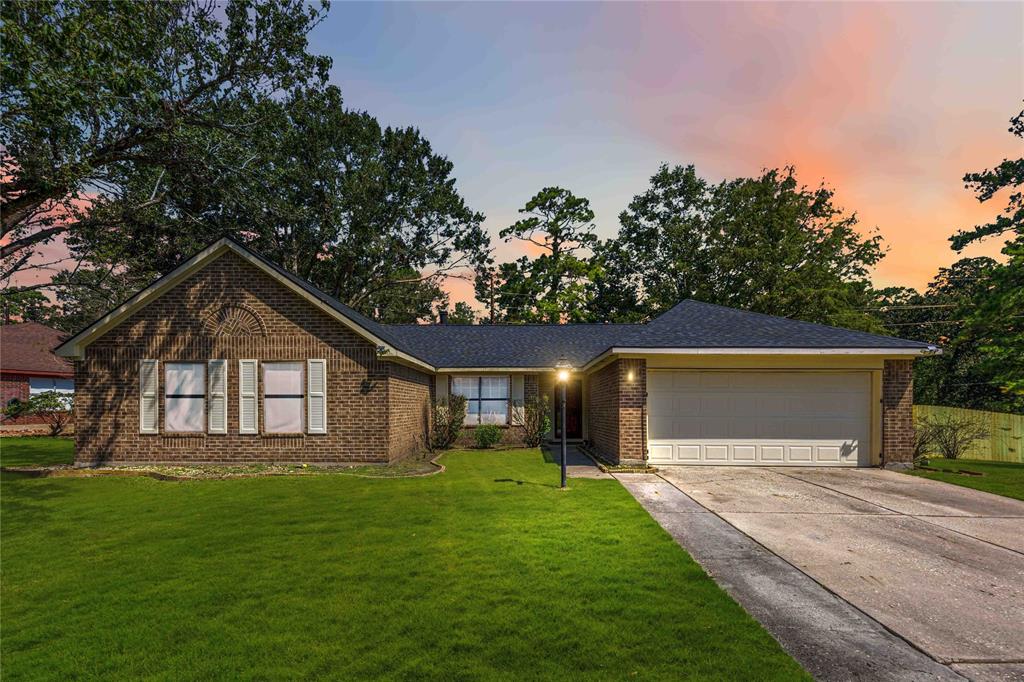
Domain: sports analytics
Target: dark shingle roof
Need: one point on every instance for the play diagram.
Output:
(508, 345)
(691, 324)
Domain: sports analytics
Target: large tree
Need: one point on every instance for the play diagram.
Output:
(370, 215)
(551, 287)
(996, 318)
(962, 376)
(766, 244)
(222, 125)
(98, 93)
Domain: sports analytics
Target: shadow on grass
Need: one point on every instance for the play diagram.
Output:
(522, 482)
(29, 503)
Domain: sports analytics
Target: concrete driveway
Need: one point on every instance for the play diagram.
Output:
(940, 565)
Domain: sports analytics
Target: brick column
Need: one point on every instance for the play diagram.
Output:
(632, 381)
(898, 414)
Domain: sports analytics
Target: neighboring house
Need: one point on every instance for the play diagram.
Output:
(28, 365)
(230, 358)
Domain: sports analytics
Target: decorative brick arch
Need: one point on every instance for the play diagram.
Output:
(234, 320)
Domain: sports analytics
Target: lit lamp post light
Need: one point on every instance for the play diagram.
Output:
(563, 368)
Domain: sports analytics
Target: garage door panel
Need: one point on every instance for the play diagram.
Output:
(769, 418)
(687, 453)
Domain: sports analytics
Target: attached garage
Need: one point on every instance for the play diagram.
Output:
(767, 418)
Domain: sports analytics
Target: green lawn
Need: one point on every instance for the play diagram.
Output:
(485, 571)
(1001, 478)
(34, 451)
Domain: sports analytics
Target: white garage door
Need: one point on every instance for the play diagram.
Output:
(759, 418)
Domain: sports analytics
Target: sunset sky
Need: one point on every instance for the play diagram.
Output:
(888, 103)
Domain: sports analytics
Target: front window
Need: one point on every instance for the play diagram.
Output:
(185, 397)
(486, 399)
(283, 397)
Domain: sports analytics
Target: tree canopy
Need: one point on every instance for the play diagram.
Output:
(766, 244)
(230, 129)
(553, 286)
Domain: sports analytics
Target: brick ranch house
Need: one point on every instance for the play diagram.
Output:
(28, 366)
(230, 358)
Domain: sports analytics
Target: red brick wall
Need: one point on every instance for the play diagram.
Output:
(897, 411)
(232, 310)
(616, 407)
(13, 386)
(602, 406)
(408, 410)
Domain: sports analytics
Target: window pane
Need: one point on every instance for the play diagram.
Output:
(283, 415)
(494, 412)
(283, 378)
(472, 413)
(466, 386)
(42, 384)
(494, 387)
(184, 414)
(185, 378)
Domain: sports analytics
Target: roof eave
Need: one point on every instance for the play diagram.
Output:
(908, 352)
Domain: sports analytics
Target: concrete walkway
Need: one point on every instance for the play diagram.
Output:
(831, 638)
(577, 463)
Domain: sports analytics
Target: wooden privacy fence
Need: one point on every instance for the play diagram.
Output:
(1005, 442)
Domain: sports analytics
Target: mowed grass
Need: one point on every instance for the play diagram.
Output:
(486, 571)
(20, 451)
(1001, 478)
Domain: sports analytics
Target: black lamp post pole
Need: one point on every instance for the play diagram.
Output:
(563, 432)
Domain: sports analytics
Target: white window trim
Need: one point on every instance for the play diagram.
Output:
(479, 378)
(206, 389)
(302, 383)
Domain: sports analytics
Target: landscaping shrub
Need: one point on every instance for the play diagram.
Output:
(536, 421)
(486, 435)
(924, 440)
(54, 408)
(952, 435)
(449, 416)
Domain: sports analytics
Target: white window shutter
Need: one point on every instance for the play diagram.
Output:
(149, 396)
(248, 412)
(316, 396)
(217, 376)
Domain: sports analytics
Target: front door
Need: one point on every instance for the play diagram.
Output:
(573, 409)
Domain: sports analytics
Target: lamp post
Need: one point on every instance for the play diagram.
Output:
(563, 367)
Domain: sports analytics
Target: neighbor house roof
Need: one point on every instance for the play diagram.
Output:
(690, 326)
(27, 348)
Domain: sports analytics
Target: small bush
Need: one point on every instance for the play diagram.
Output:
(536, 421)
(953, 436)
(449, 415)
(53, 407)
(486, 435)
(924, 439)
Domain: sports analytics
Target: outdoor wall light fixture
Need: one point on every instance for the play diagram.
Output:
(562, 368)
(629, 375)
